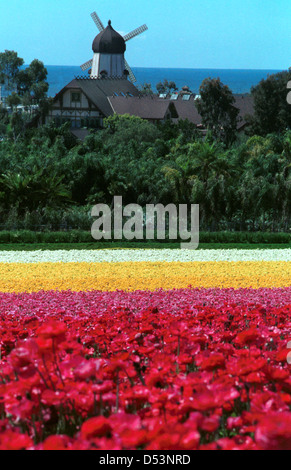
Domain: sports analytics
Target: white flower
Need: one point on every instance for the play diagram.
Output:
(138, 255)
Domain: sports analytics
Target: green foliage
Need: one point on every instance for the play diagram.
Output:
(166, 86)
(31, 190)
(13, 100)
(216, 107)
(10, 64)
(49, 180)
(31, 82)
(3, 121)
(26, 87)
(126, 128)
(271, 109)
(146, 89)
(218, 239)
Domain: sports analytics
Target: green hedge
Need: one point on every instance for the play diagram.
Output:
(76, 236)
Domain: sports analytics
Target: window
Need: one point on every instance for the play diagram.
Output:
(186, 97)
(75, 97)
(91, 123)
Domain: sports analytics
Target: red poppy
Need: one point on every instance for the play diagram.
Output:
(95, 427)
(274, 432)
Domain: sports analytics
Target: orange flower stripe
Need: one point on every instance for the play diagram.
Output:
(131, 276)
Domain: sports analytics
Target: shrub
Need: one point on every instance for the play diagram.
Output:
(82, 236)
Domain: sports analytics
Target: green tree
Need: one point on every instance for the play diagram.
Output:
(272, 112)
(264, 183)
(166, 87)
(146, 89)
(10, 64)
(126, 128)
(31, 190)
(3, 120)
(202, 174)
(216, 107)
(13, 100)
(32, 82)
(17, 124)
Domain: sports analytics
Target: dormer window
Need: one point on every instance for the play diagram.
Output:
(76, 97)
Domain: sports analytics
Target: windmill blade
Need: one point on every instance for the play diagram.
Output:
(97, 21)
(135, 32)
(131, 74)
(87, 65)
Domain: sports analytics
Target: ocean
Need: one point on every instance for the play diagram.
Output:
(239, 81)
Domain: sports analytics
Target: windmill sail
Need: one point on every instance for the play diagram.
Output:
(135, 32)
(131, 74)
(97, 21)
(87, 65)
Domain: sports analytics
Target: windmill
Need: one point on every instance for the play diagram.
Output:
(127, 37)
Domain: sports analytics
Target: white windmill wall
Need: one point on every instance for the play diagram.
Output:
(95, 71)
(114, 65)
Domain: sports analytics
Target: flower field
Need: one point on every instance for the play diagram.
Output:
(145, 349)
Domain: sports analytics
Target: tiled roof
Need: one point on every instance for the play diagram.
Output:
(245, 104)
(188, 110)
(146, 107)
(120, 96)
(97, 90)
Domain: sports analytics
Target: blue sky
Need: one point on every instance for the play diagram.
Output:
(240, 34)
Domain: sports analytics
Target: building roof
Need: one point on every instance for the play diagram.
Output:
(145, 107)
(109, 41)
(120, 96)
(98, 89)
(188, 110)
(245, 104)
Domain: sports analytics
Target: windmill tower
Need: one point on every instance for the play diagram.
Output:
(108, 52)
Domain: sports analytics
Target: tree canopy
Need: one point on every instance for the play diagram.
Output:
(47, 171)
(166, 86)
(272, 112)
(24, 86)
(216, 107)
(10, 65)
(31, 82)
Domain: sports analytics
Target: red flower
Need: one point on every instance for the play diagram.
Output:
(176, 365)
(11, 440)
(248, 337)
(212, 362)
(96, 427)
(274, 432)
(53, 330)
(52, 398)
(190, 441)
(56, 443)
(85, 370)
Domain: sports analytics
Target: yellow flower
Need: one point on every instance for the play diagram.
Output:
(132, 276)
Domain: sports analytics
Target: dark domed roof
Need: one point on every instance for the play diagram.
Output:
(109, 41)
